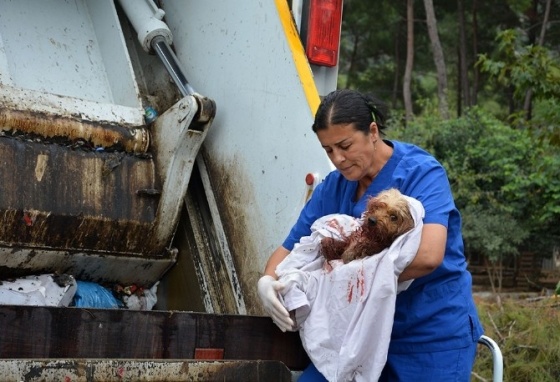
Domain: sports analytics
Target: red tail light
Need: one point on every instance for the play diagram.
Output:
(323, 34)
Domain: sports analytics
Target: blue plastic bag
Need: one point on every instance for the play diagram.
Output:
(92, 295)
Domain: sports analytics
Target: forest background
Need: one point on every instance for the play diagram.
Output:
(476, 83)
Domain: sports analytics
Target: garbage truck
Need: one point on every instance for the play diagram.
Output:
(156, 151)
(154, 146)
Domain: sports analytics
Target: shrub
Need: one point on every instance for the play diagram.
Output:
(528, 333)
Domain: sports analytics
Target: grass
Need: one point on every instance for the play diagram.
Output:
(528, 333)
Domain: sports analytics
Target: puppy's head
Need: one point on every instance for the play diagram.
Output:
(388, 214)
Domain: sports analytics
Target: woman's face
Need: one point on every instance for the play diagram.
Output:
(350, 150)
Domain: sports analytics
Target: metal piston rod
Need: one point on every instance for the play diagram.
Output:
(171, 63)
(155, 36)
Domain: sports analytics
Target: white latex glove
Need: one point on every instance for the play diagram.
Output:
(268, 288)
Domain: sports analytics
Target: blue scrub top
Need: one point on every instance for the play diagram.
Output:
(437, 311)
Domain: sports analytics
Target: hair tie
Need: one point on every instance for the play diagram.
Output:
(372, 108)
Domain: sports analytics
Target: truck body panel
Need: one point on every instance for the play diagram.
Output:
(85, 82)
(261, 146)
(194, 200)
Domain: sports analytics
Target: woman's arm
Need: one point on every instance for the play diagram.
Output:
(276, 258)
(430, 252)
(268, 288)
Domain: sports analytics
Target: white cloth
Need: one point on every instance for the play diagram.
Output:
(345, 312)
(39, 290)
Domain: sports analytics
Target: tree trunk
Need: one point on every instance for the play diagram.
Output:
(397, 71)
(353, 57)
(459, 98)
(527, 106)
(409, 60)
(476, 72)
(545, 22)
(464, 95)
(438, 58)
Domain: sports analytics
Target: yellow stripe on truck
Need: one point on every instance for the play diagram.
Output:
(298, 53)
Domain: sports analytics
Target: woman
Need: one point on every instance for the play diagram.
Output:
(436, 326)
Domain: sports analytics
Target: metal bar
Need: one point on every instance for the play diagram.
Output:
(169, 59)
(497, 358)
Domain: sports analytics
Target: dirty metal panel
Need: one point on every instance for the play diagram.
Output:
(259, 183)
(218, 292)
(47, 332)
(137, 370)
(68, 198)
(236, 204)
(74, 130)
(106, 269)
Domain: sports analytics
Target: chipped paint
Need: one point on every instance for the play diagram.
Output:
(41, 166)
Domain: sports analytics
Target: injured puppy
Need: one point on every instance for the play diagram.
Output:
(386, 217)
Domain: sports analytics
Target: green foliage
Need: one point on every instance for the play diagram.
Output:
(373, 46)
(531, 351)
(546, 121)
(519, 6)
(492, 232)
(366, 52)
(506, 186)
(523, 67)
(504, 167)
(485, 159)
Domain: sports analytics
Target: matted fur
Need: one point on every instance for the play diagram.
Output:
(387, 216)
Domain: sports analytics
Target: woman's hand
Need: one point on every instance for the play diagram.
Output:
(268, 288)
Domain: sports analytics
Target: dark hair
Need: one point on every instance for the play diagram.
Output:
(346, 106)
